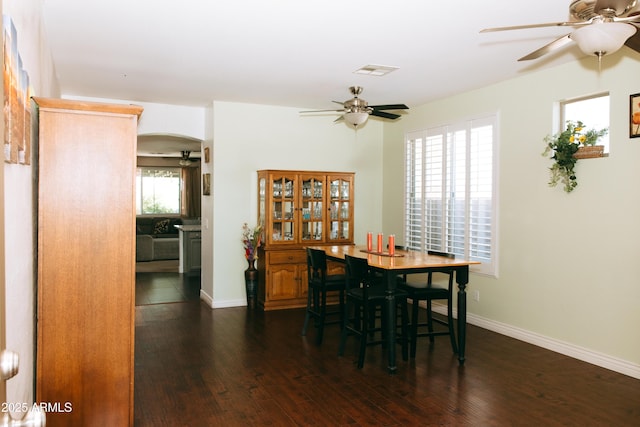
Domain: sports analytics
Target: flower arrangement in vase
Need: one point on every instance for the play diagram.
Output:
(565, 147)
(251, 239)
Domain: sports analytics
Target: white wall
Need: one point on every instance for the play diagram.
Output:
(569, 272)
(18, 206)
(247, 138)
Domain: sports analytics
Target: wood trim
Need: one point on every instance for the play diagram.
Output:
(303, 172)
(86, 106)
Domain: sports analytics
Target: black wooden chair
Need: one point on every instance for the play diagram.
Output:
(319, 284)
(365, 295)
(428, 292)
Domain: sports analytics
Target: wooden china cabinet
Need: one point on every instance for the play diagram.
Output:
(298, 209)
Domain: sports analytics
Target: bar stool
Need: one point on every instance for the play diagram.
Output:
(365, 294)
(428, 292)
(319, 284)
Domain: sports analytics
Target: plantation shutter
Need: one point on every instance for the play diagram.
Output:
(449, 190)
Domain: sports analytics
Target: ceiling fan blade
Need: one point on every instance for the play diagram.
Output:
(323, 111)
(557, 43)
(549, 24)
(628, 19)
(339, 119)
(384, 115)
(633, 42)
(389, 107)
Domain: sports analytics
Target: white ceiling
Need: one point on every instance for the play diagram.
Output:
(166, 145)
(297, 53)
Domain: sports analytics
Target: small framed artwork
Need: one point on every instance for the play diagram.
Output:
(634, 115)
(206, 184)
(206, 155)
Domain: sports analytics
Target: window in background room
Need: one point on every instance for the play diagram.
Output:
(158, 191)
(593, 111)
(450, 191)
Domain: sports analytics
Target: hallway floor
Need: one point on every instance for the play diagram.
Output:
(166, 287)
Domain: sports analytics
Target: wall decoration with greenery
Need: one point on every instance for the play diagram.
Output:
(564, 147)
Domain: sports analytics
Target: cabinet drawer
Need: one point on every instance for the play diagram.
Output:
(287, 257)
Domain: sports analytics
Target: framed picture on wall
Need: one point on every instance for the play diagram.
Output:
(206, 184)
(634, 115)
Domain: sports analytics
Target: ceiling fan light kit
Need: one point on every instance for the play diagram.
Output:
(356, 118)
(602, 38)
(603, 26)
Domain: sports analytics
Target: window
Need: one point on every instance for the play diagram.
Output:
(593, 111)
(158, 191)
(450, 191)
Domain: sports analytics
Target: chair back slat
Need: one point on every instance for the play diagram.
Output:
(357, 270)
(317, 263)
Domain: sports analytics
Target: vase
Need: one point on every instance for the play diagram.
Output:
(251, 284)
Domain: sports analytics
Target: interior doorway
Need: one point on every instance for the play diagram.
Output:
(168, 197)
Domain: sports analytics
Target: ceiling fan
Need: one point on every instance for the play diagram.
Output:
(186, 160)
(603, 26)
(356, 111)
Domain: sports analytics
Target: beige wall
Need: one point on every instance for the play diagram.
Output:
(568, 263)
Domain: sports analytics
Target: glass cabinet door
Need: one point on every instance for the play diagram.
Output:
(312, 209)
(340, 208)
(283, 190)
(262, 193)
(305, 208)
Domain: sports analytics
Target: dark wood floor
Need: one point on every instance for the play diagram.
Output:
(200, 367)
(166, 287)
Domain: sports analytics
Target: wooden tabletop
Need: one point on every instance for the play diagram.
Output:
(403, 260)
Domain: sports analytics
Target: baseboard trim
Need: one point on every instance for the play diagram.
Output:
(206, 298)
(571, 350)
(230, 303)
(222, 304)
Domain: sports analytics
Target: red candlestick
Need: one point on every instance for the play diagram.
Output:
(369, 241)
(379, 242)
(392, 244)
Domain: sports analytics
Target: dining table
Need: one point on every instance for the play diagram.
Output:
(401, 262)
